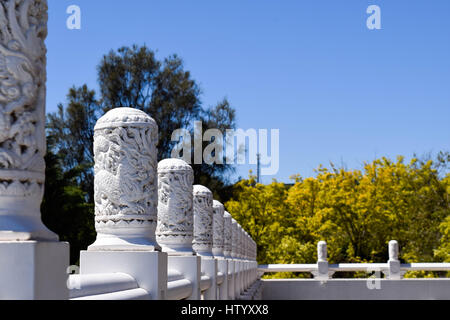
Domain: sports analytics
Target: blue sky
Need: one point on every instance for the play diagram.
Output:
(336, 90)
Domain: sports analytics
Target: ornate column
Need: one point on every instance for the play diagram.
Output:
(175, 229)
(203, 221)
(218, 228)
(126, 200)
(33, 262)
(125, 182)
(227, 234)
(23, 29)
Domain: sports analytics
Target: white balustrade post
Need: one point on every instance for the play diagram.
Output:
(227, 247)
(322, 262)
(126, 199)
(203, 237)
(33, 262)
(253, 259)
(175, 228)
(218, 247)
(125, 183)
(247, 293)
(394, 263)
(247, 261)
(241, 260)
(235, 265)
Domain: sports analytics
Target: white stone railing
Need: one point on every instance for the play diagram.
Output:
(392, 269)
(150, 215)
(158, 236)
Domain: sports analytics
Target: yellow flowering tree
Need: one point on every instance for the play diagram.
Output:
(356, 211)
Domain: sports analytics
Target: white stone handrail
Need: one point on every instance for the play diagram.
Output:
(108, 286)
(205, 283)
(178, 288)
(220, 278)
(158, 236)
(350, 267)
(322, 270)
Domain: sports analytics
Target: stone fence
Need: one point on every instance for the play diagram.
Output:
(158, 235)
(324, 287)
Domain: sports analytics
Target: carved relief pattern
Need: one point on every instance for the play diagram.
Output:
(23, 29)
(234, 238)
(125, 171)
(203, 219)
(227, 233)
(175, 203)
(218, 225)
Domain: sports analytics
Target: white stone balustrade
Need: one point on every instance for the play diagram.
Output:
(141, 209)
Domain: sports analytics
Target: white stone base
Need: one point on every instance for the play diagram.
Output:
(124, 242)
(209, 267)
(190, 267)
(149, 269)
(34, 270)
(222, 266)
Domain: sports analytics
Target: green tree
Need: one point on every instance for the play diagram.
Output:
(129, 77)
(65, 209)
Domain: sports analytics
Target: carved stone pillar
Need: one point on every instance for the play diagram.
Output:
(234, 238)
(227, 234)
(203, 221)
(175, 230)
(23, 29)
(240, 242)
(33, 263)
(218, 227)
(126, 194)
